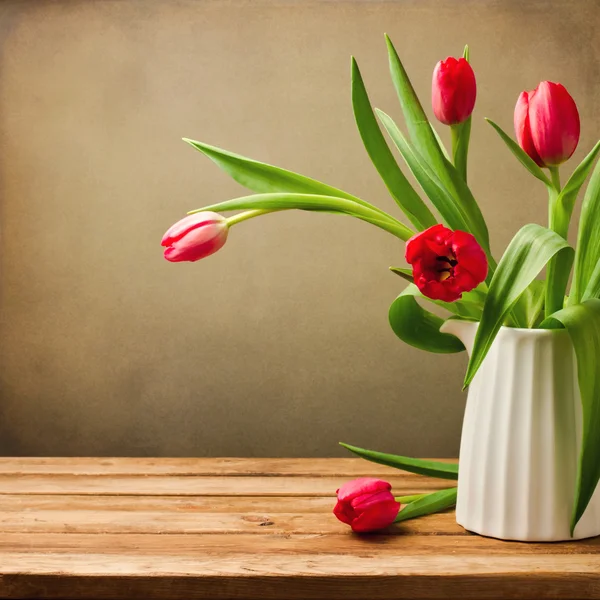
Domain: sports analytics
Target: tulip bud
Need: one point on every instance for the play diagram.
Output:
(453, 91)
(366, 504)
(195, 236)
(547, 124)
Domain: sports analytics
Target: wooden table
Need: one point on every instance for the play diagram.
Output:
(92, 528)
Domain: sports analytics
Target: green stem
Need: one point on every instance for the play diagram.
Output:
(312, 202)
(554, 296)
(249, 214)
(409, 499)
(555, 176)
(461, 134)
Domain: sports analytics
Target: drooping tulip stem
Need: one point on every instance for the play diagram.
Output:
(248, 214)
(260, 204)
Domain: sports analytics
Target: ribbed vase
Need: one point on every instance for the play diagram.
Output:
(521, 439)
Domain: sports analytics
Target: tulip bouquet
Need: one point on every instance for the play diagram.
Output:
(448, 247)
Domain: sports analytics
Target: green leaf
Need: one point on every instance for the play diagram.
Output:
(587, 254)
(418, 327)
(424, 139)
(593, 288)
(381, 156)
(451, 210)
(263, 178)
(430, 468)
(561, 210)
(313, 202)
(531, 248)
(406, 274)
(466, 53)
(521, 155)
(421, 132)
(431, 503)
(582, 321)
(529, 308)
(565, 202)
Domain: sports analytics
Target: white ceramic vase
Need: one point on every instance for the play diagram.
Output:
(521, 439)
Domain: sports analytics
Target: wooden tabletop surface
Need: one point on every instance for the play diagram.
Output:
(122, 528)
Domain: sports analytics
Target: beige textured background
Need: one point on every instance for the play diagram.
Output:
(278, 345)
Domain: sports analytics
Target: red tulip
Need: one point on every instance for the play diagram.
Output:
(195, 236)
(446, 263)
(366, 504)
(547, 124)
(453, 90)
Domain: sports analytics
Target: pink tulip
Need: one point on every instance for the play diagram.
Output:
(547, 124)
(366, 504)
(453, 90)
(195, 236)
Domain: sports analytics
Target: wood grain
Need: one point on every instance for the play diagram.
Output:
(270, 467)
(90, 529)
(205, 485)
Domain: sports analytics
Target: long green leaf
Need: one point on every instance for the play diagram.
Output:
(418, 327)
(521, 155)
(313, 202)
(431, 503)
(430, 468)
(419, 128)
(263, 178)
(561, 210)
(425, 141)
(400, 189)
(403, 272)
(565, 202)
(587, 254)
(451, 210)
(582, 321)
(529, 309)
(531, 248)
(593, 287)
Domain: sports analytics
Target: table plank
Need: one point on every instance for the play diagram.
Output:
(242, 529)
(298, 577)
(165, 522)
(206, 485)
(407, 541)
(270, 467)
(171, 504)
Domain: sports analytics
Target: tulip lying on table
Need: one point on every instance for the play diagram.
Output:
(367, 504)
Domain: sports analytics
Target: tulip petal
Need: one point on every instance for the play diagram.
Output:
(179, 229)
(376, 517)
(554, 123)
(523, 129)
(364, 501)
(419, 243)
(360, 486)
(344, 512)
(453, 90)
(197, 243)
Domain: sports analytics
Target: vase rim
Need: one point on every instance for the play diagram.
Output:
(521, 330)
